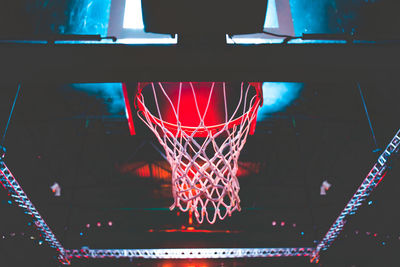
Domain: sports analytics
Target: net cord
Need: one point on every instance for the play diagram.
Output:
(192, 183)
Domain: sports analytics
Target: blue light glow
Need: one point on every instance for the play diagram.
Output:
(109, 93)
(89, 17)
(277, 96)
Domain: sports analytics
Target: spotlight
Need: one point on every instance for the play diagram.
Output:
(56, 189)
(273, 223)
(324, 187)
(110, 223)
(2, 152)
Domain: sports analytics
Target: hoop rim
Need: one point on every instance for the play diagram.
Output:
(202, 132)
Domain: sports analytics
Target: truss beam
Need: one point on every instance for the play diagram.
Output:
(15, 190)
(373, 178)
(190, 253)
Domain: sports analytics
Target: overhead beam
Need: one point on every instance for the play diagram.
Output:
(41, 62)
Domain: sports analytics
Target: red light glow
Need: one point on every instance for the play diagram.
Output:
(191, 229)
(190, 218)
(159, 169)
(162, 169)
(188, 113)
(194, 99)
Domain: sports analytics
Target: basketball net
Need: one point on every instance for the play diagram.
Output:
(203, 158)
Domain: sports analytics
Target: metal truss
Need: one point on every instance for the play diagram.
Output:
(373, 178)
(190, 253)
(19, 196)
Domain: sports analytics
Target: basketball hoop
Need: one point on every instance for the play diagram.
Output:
(203, 152)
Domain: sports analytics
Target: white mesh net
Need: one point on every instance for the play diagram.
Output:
(203, 157)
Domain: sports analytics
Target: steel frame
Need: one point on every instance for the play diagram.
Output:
(17, 193)
(373, 178)
(192, 253)
(83, 62)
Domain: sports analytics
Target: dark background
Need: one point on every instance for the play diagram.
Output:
(70, 136)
